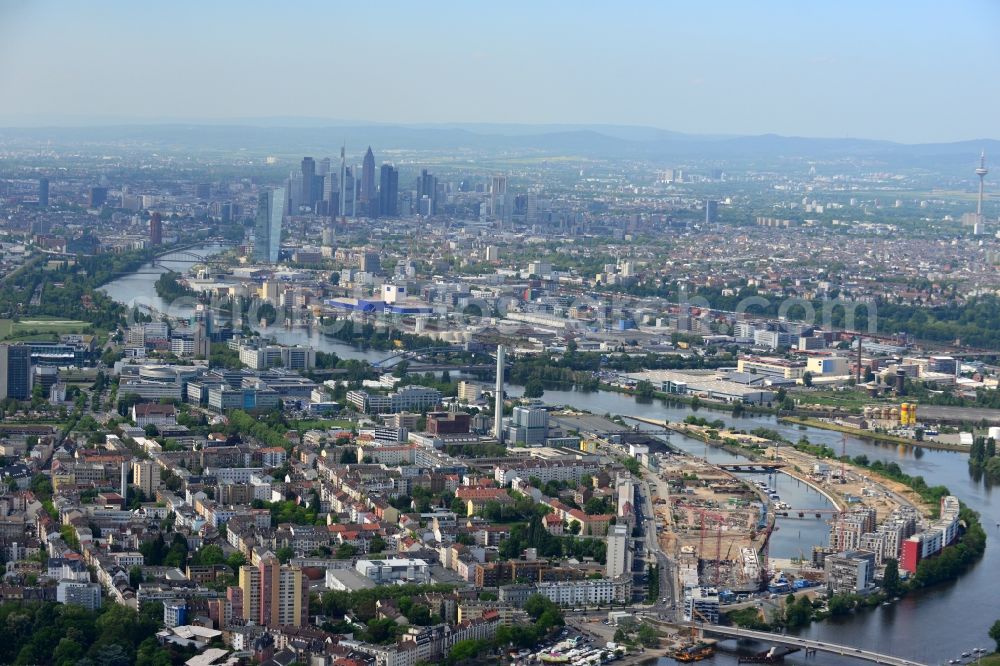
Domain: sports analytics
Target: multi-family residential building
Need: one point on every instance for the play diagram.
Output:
(545, 470)
(588, 592)
(274, 594)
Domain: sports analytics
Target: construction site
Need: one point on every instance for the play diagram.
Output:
(845, 485)
(719, 523)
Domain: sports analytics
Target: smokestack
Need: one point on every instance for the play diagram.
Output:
(858, 380)
(900, 382)
(498, 397)
(124, 492)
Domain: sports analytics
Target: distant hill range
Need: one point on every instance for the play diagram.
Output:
(289, 136)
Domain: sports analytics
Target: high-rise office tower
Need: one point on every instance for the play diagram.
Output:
(711, 211)
(388, 191)
(155, 229)
(324, 166)
(427, 187)
(329, 233)
(343, 180)
(531, 208)
(501, 202)
(331, 194)
(15, 371)
(618, 560)
(319, 181)
(308, 181)
(370, 261)
(43, 192)
(98, 197)
(348, 194)
(267, 228)
(367, 195)
(274, 595)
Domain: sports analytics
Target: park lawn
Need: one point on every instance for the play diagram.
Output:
(40, 328)
(323, 424)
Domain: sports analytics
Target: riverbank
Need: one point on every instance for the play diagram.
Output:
(869, 434)
(701, 436)
(694, 401)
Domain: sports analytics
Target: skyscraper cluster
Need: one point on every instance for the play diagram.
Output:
(348, 191)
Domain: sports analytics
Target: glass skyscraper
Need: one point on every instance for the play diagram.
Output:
(15, 371)
(267, 229)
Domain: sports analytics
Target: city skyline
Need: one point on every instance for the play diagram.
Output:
(678, 68)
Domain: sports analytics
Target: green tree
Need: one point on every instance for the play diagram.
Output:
(68, 651)
(798, 611)
(807, 379)
(235, 561)
(419, 615)
(840, 604)
(891, 584)
(466, 650)
(653, 584)
(534, 389)
(208, 555)
(380, 631)
(647, 636)
(995, 633)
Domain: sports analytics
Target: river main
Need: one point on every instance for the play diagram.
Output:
(929, 627)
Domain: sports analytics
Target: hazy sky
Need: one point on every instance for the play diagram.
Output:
(910, 70)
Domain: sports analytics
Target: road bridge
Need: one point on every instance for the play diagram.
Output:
(430, 352)
(804, 643)
(642, 419)
(436, 367)
(758, 468)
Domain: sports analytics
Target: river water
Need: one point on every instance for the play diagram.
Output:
(929, 627)
(138, 289)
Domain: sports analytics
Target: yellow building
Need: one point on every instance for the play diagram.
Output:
(772, 367)
(269, 292)
(146, 475)
(274, 594)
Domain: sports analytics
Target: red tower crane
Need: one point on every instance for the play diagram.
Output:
(718, 550)
(701, 540)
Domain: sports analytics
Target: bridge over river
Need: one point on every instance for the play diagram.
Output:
(804, 643)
